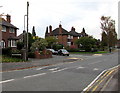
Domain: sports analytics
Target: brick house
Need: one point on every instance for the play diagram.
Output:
(9, 33)
(66, 38)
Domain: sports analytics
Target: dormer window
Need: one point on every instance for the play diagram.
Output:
(12, 30)
(3, 29)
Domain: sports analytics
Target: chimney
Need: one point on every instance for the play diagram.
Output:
(72, 29)
(60, 29)
(8, 18)
(50, 29)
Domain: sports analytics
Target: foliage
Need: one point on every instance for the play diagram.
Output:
(39, 44)
(7, 51)
(108, 28)
(33, 31)
(31, 55)
(51, 41)
(20, 45)
(86, 43)
(10, 59)
(15, 51)
(57, 46)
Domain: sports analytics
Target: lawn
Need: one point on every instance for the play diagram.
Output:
(9, 59)
(98, 52)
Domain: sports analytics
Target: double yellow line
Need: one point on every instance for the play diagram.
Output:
(100, 80)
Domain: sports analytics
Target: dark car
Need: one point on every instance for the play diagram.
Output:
(53, 51)
(63, 52)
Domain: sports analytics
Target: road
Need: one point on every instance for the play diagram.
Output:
(69, 76)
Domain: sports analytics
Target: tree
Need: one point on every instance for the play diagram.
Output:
(39, 44)
(104, 40)
(108, 27)
(33, 31)
(86, 43)
(51, 41)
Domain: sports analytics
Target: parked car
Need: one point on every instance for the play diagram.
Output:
(63, 52)
(53, 51)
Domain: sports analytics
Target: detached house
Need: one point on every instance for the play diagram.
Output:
(9, 33)
(64, 37)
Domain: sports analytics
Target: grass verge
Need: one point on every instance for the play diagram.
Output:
(6, 59)
(98, 52)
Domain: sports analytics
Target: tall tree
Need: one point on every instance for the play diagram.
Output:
(108, 27)
(33, 31)
(51, 41)
(86, 43)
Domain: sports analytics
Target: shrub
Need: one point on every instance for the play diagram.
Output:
(31, 55)
(7, 51)
(16, 51)
(20, 45)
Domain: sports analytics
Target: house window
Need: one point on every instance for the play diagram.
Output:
(68, 36)
(71, 37)
(2, 44)
(69, 43)
(12, 43)
(3, 29)
(12, 30)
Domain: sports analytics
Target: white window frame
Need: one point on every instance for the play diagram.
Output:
(69, 43)
(68, 36)
(71, 37)
(2, 44)
(12, 43)
(3, 29)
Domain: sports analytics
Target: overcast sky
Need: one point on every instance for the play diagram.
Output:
(77, 13)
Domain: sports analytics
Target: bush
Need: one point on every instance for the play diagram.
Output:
(57, 46)
(73, 50)
(20, 45)
(16, 51)
(7, 51)
(31, 55)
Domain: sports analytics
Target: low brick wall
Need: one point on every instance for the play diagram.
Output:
(45, 54)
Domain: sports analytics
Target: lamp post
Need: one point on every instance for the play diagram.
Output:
(27, 27)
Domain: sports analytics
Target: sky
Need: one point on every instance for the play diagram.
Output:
(76, 13)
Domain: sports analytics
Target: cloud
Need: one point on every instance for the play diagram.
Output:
(77, 13)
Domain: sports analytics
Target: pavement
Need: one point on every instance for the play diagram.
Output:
(35, 63)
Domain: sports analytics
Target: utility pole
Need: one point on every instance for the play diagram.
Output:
(27, 27)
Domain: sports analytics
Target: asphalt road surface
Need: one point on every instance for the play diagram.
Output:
(69, 76)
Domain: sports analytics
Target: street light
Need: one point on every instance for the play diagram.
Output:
(24, 21)
(27, 26)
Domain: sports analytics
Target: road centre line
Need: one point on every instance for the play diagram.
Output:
(6, 81)
(59, 70)
(34, 75)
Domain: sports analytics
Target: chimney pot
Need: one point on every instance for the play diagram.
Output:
(8, 18)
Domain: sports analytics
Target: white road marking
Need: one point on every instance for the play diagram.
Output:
(42, 68)
(35, 75)
(80, 67)
(95, 69)
(6, 81)
(59, 70)
(54, 68)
